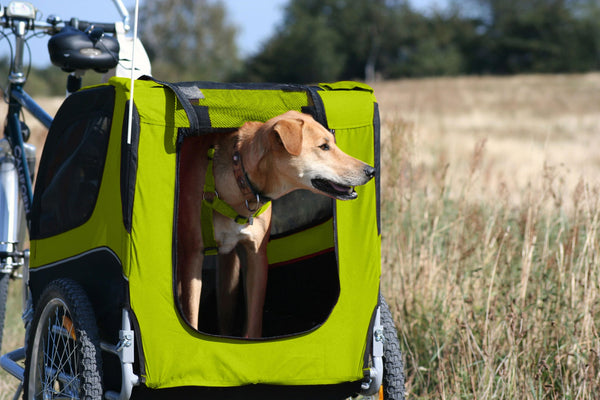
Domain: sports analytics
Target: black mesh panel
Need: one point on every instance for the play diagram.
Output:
(72, 164)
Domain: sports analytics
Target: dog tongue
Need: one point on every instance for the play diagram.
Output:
(341, 188)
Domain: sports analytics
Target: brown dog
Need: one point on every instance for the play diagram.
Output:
(288, 152)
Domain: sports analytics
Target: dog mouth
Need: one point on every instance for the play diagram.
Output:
(335, 190)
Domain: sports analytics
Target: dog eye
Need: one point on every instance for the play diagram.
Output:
(324, 147)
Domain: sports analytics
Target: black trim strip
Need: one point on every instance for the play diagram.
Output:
(187, 132)
(377, 145)
(129, 163)
(319, 106)
(175, 238)
(203, 117)
(78, 257)
(183, 100)
(244, 86)
(258, 391)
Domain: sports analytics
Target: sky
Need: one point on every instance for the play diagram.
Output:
(255, 19)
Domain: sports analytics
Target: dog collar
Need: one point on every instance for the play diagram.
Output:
(250, 193)
(211, 202)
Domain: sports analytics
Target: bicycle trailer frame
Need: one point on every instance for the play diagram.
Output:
(104, 214)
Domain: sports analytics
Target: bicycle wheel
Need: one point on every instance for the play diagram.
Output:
(63, 351)
(4, 279)
(393, 368)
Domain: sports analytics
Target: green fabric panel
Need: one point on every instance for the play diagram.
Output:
(156, 104)
(175, 355)
(358, 241)
(151, 275)
(348, 109)
(301, 244)
(359, 249)
(232, 108)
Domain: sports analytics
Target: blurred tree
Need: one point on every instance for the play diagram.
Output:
(324, 40)
(303, 52)
(362, 39)
(440, 43)
(541, 35)
(188, 39)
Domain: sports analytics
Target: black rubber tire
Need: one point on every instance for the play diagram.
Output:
(63, 338)
(393, 367)
(4, 279)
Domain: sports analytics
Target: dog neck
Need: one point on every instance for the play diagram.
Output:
(252, 196)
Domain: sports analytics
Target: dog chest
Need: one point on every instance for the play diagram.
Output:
(229, 234)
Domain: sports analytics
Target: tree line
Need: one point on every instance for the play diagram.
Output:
(328, 40)
(365, 39)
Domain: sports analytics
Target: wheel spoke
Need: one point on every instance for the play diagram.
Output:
(49, 357)
(56, 350)
(57, 358)
(58, 372)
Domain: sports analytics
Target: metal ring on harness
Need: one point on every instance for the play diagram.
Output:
(257, 204)
(215, 193)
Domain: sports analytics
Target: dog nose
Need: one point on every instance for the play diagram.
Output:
(369, 171)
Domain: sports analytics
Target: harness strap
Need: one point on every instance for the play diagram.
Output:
(211, 202)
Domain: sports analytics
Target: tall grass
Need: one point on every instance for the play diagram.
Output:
(493, 298)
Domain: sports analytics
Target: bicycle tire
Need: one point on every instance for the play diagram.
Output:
(63, 350)
(4, 279)
(393, 367)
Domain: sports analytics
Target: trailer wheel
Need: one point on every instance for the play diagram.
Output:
(63, 349)
(393, 368)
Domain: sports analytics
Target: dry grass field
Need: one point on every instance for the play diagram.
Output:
(491, 208)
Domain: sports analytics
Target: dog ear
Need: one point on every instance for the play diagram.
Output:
(290, 134)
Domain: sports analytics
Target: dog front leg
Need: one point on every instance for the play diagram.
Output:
(228, 285)
(256, 287)
(190, 288)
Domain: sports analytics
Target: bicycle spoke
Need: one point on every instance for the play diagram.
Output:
(57, 355)
(58, 371)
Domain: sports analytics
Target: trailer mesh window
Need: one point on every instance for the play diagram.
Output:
(71, 170)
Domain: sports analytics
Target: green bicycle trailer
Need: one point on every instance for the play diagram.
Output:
(104, 217)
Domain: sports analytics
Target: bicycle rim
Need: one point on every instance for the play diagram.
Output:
(56, 359)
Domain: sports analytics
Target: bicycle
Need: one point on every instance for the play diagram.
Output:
(76, 46)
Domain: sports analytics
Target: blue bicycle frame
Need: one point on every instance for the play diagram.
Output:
(19, 99)
(14, 134)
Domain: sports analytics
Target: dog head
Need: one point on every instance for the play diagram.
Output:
(304, 155)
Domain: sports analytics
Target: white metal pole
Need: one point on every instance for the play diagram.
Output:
(135, 31)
